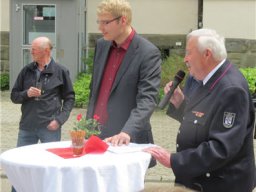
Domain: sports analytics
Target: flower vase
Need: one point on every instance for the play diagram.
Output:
(77, 139)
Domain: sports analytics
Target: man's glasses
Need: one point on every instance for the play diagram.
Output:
(106, 22)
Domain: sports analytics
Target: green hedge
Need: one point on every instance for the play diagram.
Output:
(250, 75)
(4, 81)
(170, 66)
(81, 88)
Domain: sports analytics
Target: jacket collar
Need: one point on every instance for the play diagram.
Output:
(205, 90)
(49, 69)
(129, 55)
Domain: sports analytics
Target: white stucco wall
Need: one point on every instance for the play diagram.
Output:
(154, 16)
(231, 18)
(4, 15)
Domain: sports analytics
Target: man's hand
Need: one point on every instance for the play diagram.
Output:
(34, 92)
(53, 125)
(119, 139)
(161, 155)
(177, 97)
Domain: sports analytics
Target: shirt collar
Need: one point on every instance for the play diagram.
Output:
(45, 67)
(206, 79)
(127, 42)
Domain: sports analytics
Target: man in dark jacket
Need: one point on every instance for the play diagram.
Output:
(45, 108)
(215, 139)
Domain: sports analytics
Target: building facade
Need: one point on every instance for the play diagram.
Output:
(164, 22)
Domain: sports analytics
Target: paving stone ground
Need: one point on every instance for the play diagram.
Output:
(165, 129)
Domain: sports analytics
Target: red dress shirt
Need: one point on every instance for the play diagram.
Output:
(114, 61)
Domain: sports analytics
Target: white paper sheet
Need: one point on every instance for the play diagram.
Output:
(129, 149)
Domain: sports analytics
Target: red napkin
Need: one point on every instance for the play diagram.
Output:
(93, 145)
(65, 153)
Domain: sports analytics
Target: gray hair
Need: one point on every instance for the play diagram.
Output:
(210, 39)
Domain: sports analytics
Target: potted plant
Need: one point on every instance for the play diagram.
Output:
(82, 130)
(90, 126)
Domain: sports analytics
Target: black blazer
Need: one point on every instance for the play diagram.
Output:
(133, 96)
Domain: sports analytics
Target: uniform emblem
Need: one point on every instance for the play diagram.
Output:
(228, 119)
(198, 114)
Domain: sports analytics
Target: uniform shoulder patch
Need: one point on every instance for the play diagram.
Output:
(228, 119)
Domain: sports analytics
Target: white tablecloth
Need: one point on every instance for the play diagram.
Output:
(34, 169)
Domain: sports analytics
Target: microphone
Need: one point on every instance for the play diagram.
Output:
(177, 80)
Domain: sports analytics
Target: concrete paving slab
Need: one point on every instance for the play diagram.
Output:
(164, 128)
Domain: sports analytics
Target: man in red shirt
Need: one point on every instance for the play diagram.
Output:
(126, 77)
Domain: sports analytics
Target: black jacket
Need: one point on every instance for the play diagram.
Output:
(56, 101)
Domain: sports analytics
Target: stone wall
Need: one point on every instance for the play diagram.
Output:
(4, 48)
(241, 52)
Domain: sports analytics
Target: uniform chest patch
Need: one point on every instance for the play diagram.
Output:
(228, 119)
(198, 114)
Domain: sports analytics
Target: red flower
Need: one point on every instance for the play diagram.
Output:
(91, 126)
(96, 117)
(79, 117)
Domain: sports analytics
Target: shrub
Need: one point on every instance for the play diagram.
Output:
(81, 88)
(4, 80)
(81, 85)
(89, 61)
(250, 75)
(172, 64)
(170, 67)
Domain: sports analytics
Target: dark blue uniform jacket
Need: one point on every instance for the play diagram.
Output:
(215, 140)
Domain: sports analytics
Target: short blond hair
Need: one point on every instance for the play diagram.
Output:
(116, 8)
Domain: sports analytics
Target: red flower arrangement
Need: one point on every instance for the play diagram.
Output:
(90, 126)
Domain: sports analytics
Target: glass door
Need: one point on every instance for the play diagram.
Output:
(38, 20)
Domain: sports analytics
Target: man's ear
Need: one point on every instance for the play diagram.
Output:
(123, 20)
(208, 53)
